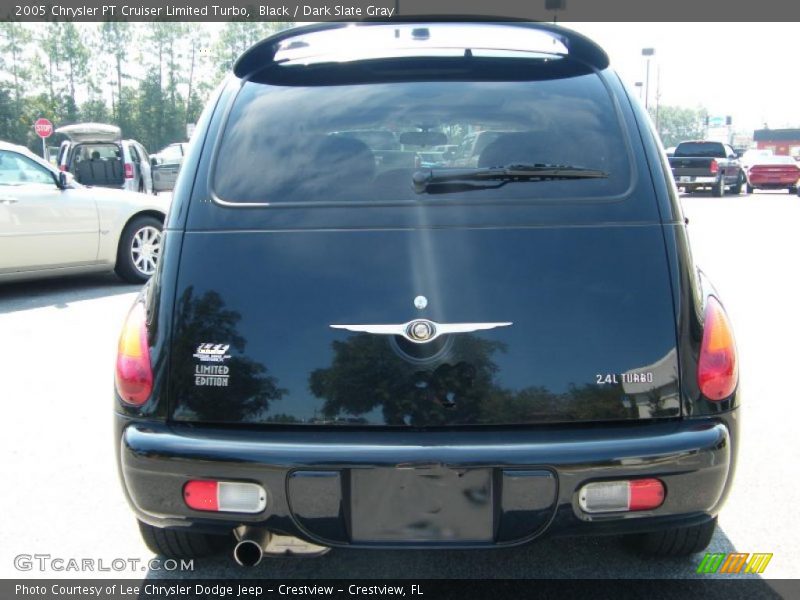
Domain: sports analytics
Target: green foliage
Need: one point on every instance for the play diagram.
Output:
(677, 123)
(151, 79)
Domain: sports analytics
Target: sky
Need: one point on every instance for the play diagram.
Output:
(746, 70)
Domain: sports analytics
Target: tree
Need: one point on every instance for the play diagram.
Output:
(115, 38)
(71, 72)
(15, 39)
(677, 123)
(75, 56)
(238, 36)
(50, 44)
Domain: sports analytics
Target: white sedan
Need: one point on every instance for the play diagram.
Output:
(51, 225)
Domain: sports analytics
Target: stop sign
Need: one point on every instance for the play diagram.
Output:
(43, 128)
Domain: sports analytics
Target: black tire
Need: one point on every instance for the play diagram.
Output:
(141, 186)
(750, 189)
(737, 189)
(178, 543)
(673, 542)
(126, 268)
(718, 189)
(793, 190)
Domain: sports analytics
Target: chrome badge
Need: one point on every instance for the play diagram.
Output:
(421, 331)
(420, 302)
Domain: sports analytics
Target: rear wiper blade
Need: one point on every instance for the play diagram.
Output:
(457, 180)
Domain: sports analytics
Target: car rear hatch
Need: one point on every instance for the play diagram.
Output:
(91, 132)
(298, 267)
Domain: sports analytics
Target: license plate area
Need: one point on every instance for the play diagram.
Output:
(431, 504)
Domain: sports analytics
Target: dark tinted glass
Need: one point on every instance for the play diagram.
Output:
(341, 143)
(702, 149)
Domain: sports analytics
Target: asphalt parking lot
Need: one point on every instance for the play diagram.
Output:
(63, 498)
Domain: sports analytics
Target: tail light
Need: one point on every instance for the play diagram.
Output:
(224, 496)
(134, 376)
(714, 166)
(128, 171)
(717, 369)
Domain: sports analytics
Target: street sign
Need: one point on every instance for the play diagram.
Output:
(716, 121)
(43, 128)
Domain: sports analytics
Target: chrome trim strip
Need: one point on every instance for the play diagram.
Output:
(439, 329)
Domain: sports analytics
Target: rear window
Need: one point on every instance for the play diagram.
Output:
(96, 151)
(777, 160)
(286, 144)
(701, 149)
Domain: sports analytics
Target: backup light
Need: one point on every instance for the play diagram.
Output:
(619, 496)
(224, 496)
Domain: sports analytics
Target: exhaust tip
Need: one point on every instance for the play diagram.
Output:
(248, 553)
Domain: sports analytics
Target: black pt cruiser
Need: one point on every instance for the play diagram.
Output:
(425, 284)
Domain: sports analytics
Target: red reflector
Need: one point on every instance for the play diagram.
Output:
(646, 494)
(201, 495)
(128, 171)
(714, 166)
(717, 369)
(133, 376)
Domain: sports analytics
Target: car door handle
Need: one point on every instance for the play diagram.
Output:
(7, 200)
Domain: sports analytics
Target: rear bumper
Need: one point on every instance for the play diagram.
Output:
(311, 477)
(683, 180)
(773, 182)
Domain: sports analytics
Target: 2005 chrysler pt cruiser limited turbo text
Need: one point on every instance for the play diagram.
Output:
(425, 285)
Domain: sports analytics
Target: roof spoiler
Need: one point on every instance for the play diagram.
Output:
(580, 47)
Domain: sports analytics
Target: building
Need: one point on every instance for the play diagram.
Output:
(784, 142)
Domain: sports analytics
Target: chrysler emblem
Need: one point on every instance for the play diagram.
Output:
(420, 331)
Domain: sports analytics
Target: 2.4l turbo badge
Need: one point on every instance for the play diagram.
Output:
(612, 378)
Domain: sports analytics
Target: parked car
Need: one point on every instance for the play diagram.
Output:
(389, 154)
(431, 159)
(331, 355)
(166, 164)
(471, 147)
(52, 155)
(773, 173)
(707, 165)
(97, 156)
(51, 225)
(752, 155)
